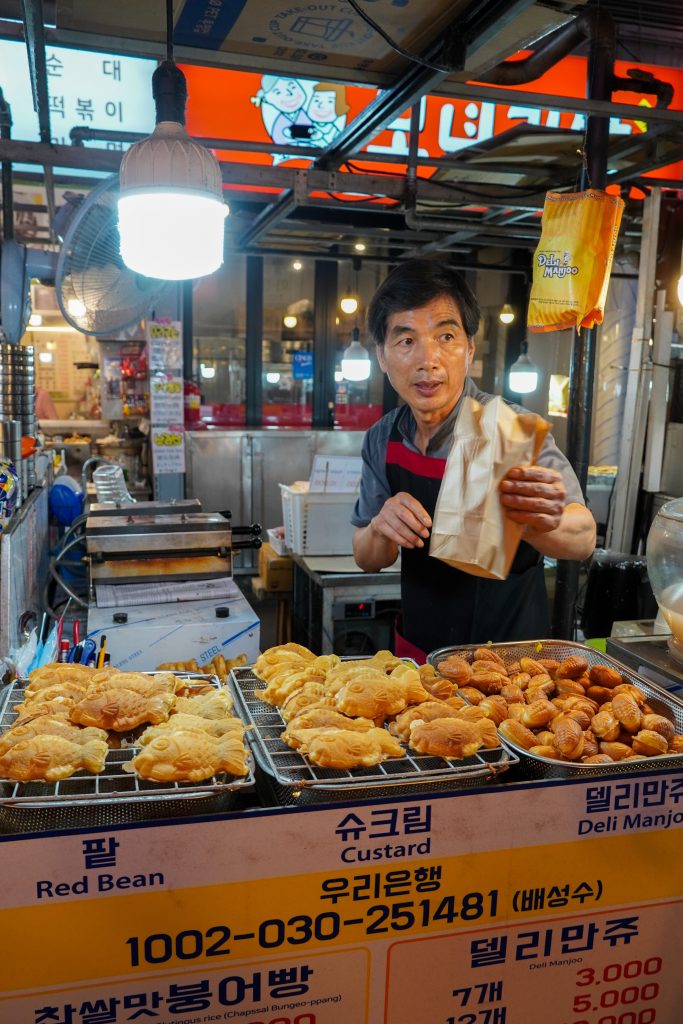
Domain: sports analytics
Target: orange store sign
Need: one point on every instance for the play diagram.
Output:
(305, 112)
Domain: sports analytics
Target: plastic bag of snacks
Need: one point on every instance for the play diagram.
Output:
(8, 492)
(573, 260)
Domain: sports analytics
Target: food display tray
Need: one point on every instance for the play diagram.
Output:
(661, 702)
(291, 778)
(114, 797)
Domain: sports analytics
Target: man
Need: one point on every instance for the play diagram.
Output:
(423, 319)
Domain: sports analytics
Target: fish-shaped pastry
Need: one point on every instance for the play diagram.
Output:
(190, 755)
(46, 725)
(216, 704)
(162, 682)
(340, 748)
(121, 710)
(51, 758)
(213, 726)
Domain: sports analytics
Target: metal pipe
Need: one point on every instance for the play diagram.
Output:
(7, 193)
(491, 268)
(582, 370)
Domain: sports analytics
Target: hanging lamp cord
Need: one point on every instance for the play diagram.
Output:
(169, 30)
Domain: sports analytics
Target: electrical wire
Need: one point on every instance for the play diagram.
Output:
(414, 57)
(169, 30)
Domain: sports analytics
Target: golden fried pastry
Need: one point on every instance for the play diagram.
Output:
(517, 733)
(487, 682)
(617, 751)
(426, 712)
(512, 693)
(575, 703)
(59, 672)
(58, 707)
(570, 686)
(162, 682)
(190, 755)
(598, 759)
(632, 691)
(310, 695)
(532, 667)
(371, 697)
(341, 748)
(545, 737)
(436, 685)
(569, 738)
(471, 694)
(302, 728)
(520, 679)
(445, 737)
(488, 733)
(550, 665)
(456, 701)
(676, 744)
(46, 758)
(494, 708)
(121, 710)
(471, 713)
(604, 675)
(456, 669)
(600, 694)
(545, 750)
(538, 713)
(46, 725)
(626, 711)
(409, 678)
(73, 691)
(649, 743)
(488, 654)
(657, 723)
(489, 666)
(572, 667)
(213, 726)
(214, 704)
(590, 744)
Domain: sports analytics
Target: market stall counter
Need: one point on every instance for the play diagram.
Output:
(504, 897)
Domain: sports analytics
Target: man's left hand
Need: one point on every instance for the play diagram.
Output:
(534, 497)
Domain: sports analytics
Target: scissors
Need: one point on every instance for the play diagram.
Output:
(88, 648)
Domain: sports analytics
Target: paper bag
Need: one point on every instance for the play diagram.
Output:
(573, 260)
(470, 530)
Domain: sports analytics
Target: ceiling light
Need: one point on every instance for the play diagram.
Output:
(348, 304)
(45, 357)
(290, 321)
(207, 372)
(355, 364)
(171, 209)
(523, 375)
(76, 308)
(360, 246)
(35, 320)
(297, 265)
(507, 314)
(272, 378)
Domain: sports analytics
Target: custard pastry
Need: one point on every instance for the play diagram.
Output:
(341, 748)
(446, 737)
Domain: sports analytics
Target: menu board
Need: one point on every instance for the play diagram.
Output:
(553, 901)
(166, 395)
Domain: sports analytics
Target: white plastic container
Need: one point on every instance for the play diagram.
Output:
(317, 524)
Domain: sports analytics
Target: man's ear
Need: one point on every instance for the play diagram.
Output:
(380, 358)
(469, 356)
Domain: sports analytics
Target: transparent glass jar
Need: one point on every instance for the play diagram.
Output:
(665, 568)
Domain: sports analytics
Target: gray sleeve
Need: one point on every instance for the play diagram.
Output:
(551, 457)
(374, 486)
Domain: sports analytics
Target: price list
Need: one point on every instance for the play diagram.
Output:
(608, 968)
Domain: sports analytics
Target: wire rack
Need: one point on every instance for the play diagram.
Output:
(661, 702)
(294, 778)
(114, 796)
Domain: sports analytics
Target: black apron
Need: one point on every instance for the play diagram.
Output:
(442, 606)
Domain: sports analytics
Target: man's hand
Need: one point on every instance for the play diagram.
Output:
(402, 520)
(534, 497)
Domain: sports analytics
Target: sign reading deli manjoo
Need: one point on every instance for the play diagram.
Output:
(507, 905)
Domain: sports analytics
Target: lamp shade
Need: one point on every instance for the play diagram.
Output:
(171, 210)
(355, 364)
(523, 375)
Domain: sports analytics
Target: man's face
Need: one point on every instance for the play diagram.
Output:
(286, 95)
(425, 355)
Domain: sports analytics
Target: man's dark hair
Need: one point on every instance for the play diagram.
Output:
(413, 284)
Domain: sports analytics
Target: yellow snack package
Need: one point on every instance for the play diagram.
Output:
(573, 259)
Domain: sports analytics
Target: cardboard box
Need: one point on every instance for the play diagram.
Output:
(275, 570)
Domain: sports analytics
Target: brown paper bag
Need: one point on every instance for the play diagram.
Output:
(470, 529)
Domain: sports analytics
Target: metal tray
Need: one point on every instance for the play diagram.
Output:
(113, 797)
(292, 779)
(662, 703)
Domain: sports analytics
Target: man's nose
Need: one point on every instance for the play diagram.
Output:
(428, 352)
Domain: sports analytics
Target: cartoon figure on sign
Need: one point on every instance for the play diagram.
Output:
(327, 109)
(283, 102)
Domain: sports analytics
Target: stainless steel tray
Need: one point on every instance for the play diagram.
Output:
(295, 779)
(662, 702)
(112, 797)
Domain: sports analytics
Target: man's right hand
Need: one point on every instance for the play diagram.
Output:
(403, 521)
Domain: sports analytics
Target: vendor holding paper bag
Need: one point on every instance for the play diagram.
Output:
(424, 318)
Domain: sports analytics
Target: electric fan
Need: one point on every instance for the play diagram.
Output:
(18, 264)
(96, 291)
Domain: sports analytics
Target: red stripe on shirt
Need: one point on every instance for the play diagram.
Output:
(414, 462)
